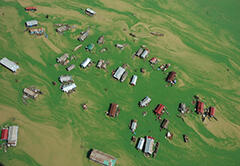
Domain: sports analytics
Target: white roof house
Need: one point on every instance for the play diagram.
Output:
(139, 51)
(65, 78)
(134, 125)
(118, 74)
(85, 63)
(145, 101)
(12, 135)
(90, 11)
(140, 143)
(144, 54)
(149, 145)
(69, 87)
(31, 23)
(9, 64)
(134, 80)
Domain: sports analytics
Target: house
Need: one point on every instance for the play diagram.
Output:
(144, 54)
(36, 31)
(211, 111)
(124, 76)
(30, 9)
(30, 93)
(65, 78)
(31, 23)
(153, 60)
(90, 47)
(139, 52)
(133, 126)
(90, 12)
(141, 143)
(100, 63)
(12, 135)
(200, 107)
(68, 87)
(113, 110)
(149, 145)
(159, 109)
(144, 102)
(9, 64)
(71, 67)
(63, 58)
(118, 74)
(100, 40)
(182, 108)
(63, 28)
(102, 158)
(164, 124)
(85, 63)
(171, 77)
(4, 134)
(83, 36)
(133, 80)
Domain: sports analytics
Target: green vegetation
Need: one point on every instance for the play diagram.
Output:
(201, 41)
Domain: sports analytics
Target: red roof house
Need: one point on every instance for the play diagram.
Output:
(114, 110)
(31, 9)
(153, 60)
(4, 134)
(200, 107)
(171, 76)
(158, 110)
(212, 111)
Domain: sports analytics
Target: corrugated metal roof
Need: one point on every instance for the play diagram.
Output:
(149, 145)
(67, 88)
(85, 63)
(9, 64)
(31, 23)
(118, 74)
(12, 135)
(134, 80)
(102, 158)
(4, 134)
(141, 143)
(90, 11)
(145, 101)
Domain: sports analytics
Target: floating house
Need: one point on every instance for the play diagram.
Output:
(33, 9)
(171, 77)
(102, 158)
(90, 12)
(31, 23)
(100, 40)
(71, 67)
(68, 87)
(200, 107)
(164, 124)
(159, 109)
(65, 78)
(9, 64)
(4, 134)
(118, 74)
(63, 28)
(149, 145)
(133, 80)
(30, 93)
(124, 76)
(90, 47)
(36, 31)
(85, 63)
(63, 58)
(145, 102)
(113, 110)
(211, 111)
(12, 135)
(133, 126)
(141, 143)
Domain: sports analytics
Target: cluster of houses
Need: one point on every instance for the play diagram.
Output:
(142, 52)
(62, 27)
(146, 144)
(31, 92)
(9, 135)
(67, 83)
(205, 112)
